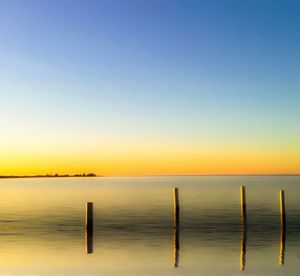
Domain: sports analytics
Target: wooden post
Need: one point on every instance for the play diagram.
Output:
(89, 227)
(282, 227)
(243, 204)
(176, 207)
(282, 208)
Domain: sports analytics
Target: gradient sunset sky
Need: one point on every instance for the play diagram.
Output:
(123, 87)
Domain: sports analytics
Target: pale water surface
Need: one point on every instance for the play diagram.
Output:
(42, 228)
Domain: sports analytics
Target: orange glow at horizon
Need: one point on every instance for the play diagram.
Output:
(155, 163)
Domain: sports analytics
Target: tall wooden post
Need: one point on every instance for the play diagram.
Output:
(176, 207)
(89, 221)
(282, 208)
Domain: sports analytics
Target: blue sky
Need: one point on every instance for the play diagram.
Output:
(213, 73)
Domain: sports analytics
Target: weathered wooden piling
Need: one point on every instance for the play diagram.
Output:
(176, 207)
(282, 209)
(89, 217)
(282, 227)
(243, 204)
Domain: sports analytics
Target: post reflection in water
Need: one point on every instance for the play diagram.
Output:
(176, 247)
(282, 245)
(89, 228)
(89, 241)
(243, 243)
(243, 246)
(282, 228)
(176, 226)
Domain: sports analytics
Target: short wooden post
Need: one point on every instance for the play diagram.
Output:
(89, 227)
(282, 227)
(243, 204)
(176, 207)
(282, 208)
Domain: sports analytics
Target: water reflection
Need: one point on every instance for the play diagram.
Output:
(243, 246)
(282, 227)
(176, 247)
(282, 245)
(176, 225)
(89, 241)
(89, 225)
(243, 243)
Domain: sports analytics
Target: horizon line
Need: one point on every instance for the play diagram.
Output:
(232, 174)
(145, 175)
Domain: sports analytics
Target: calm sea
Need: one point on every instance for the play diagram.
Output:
(42, 228)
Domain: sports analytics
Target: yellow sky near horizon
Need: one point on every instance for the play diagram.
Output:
(162, 161)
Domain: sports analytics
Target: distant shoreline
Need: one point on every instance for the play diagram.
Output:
(151, 175)
(51, 175)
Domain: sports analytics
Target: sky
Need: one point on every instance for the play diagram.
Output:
(136, 87)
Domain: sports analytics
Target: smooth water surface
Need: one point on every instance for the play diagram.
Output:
(42, 226)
